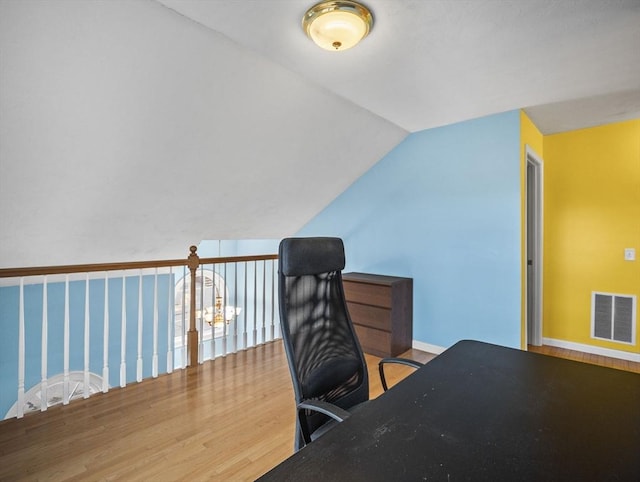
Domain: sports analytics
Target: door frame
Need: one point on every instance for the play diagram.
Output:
(534, 177)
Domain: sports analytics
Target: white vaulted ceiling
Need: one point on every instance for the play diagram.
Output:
(130, 130)
(428, 63)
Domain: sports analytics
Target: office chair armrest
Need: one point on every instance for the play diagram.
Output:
(397, 361)
(329, 409)
(326, 408)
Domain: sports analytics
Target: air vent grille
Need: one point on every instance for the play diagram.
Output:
(613, 317)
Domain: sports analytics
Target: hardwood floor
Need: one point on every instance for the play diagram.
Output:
(587, 358)
(230, 419)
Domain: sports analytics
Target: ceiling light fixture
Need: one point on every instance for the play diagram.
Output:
(337, 25)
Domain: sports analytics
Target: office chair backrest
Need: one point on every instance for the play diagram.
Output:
(325, 358)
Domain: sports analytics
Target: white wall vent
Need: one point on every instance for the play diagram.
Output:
(613, 317)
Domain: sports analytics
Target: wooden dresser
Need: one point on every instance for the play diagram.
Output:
(381, 308)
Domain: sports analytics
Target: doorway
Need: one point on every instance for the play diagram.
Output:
(533, 237)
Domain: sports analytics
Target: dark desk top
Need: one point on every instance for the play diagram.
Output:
(484, 412)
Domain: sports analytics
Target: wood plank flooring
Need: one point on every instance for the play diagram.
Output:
(605, 361)
(231, 419)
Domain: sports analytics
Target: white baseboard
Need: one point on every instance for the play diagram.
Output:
(595, 350)
(422, 346)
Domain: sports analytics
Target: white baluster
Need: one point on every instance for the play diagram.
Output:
(44, 387)
(215, 292)
(171, 321)
(65, 382)
(184, 318)
(235, 304)
(264, 300)
(154, 361)
(139, 360)
(276, 301)
(255, 303)
(244, 317)
(273, 298)
(105, 336)
(201, 324)
(123, 335)
(87, 338)
(224, 313)
(21, 352)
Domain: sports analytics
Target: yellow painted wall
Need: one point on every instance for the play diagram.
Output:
(591, 213)
(529, 136)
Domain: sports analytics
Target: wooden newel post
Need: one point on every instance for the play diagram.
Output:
(192, 334)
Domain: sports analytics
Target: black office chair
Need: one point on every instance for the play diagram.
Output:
(328, 369)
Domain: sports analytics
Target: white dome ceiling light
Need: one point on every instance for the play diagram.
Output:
(337, 25)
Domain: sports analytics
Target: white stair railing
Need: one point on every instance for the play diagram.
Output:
(64, 328)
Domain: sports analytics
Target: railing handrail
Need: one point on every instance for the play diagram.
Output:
(90, 268)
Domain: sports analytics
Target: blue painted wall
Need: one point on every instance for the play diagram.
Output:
(443, 208)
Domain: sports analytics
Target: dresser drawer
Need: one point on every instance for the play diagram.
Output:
(368, 294)
(375, 342)
(372, 316)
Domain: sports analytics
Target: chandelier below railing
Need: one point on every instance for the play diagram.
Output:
(217, 314)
